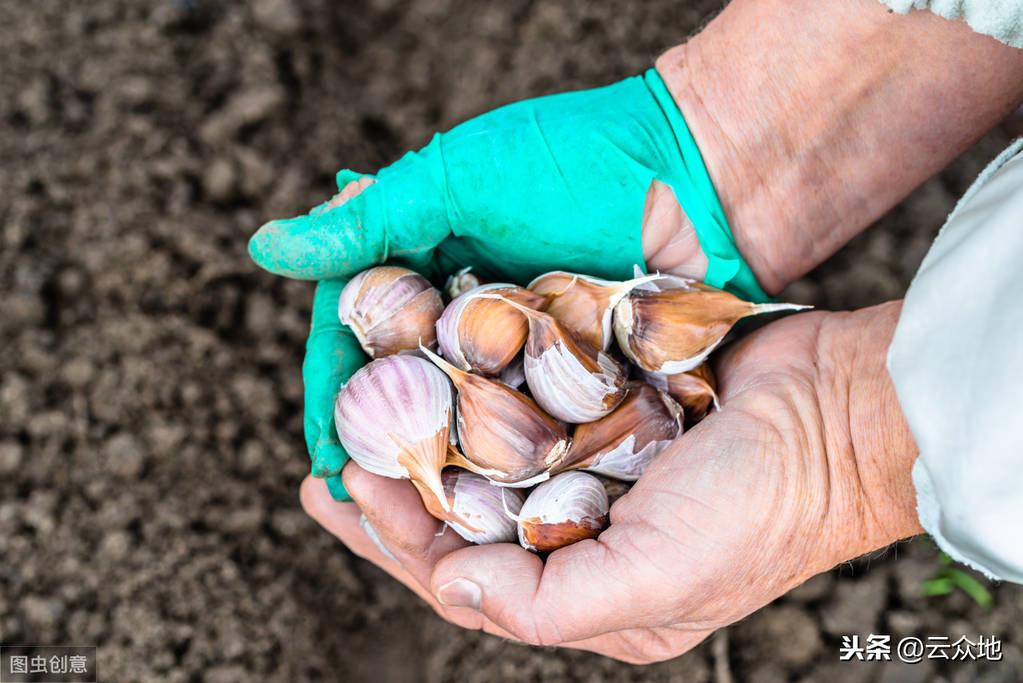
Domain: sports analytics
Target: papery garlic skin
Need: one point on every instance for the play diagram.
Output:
(673, 330)
(390, 309)
(480, 333)
(569, 508)
(368, 529)
(504, 434)
(570, 391)
(461, 282)
(584, 304)
(622, 444)
(480, 503)
(393, 417)
(568, 378)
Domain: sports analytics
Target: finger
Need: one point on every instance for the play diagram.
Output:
(402, 215)
(342, 520)
(395, 510)
(332, 356)
(584, 590)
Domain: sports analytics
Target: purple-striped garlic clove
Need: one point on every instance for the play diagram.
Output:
(393, 417)
(390, 309)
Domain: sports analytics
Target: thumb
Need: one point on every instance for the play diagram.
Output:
(402, 215)
(332, 356)
(584, 590)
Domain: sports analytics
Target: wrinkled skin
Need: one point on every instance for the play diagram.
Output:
(803, 468)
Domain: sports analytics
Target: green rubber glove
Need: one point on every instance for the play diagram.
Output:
(554, 183)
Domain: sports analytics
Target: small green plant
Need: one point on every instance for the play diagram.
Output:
(950, 578)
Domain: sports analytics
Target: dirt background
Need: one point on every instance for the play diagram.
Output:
(150, 398)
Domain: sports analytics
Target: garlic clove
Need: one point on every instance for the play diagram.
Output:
(474, 499)
(584, 304)
(695, 390)
(504, 434)
(569, 508)
(614, 488)
(393, 417)
(390, 309)
(514, 374)
(478, 332)
(567, 377)
(674, 330)
(461, 282)
(623, 443)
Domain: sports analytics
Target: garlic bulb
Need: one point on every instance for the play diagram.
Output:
(694, 389)
(623, 443)
(568, 378)
(461, 282)
(570, 507)
(584, 304)
(390, 309)
(674, 330)
(482, 504)
(393, 417)
(478, 332)
(504, 434)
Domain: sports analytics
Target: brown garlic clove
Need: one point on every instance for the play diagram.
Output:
(571, 507)
(514, 374)
(390, 309)
(568, 378)
(623, 443)
(505, 436)
(584, 304)
(695, 390)
(478, 332)
(474, 499)
(674, 330)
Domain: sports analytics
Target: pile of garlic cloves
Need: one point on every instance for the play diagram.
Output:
(511, 409)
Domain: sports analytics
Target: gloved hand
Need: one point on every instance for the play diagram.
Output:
(807, 465)
(557, 182)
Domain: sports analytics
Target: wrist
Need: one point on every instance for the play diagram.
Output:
(867, 441)
(811, 135)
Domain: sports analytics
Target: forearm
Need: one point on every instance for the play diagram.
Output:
(867, 439)
(815, 118)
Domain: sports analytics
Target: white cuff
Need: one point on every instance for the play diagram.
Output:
(1001, 19)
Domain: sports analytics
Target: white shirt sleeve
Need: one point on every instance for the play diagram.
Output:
(957, 364)
(1002, 19)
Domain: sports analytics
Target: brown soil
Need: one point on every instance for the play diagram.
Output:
(150, 398)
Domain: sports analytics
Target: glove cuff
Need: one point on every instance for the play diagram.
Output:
(726, 268)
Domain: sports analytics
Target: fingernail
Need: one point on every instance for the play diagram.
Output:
(460, 593)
